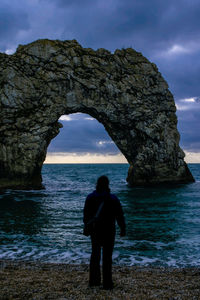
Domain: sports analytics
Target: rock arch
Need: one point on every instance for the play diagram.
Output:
(124, 91)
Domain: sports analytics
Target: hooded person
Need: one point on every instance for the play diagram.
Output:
(109, 210)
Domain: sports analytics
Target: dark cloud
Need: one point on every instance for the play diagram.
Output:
(182, 74)
(159, 23)
(166, 32)
(69, 3)
(12, 20)
(148, 26)
(188, 125)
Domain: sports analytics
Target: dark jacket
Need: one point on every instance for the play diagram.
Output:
(110, 213)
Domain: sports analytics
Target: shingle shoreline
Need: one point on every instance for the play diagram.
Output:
(35, 280)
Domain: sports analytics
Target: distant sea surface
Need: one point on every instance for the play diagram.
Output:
(163, 223)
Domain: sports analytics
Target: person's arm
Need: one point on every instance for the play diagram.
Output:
(87, 210)
(120, 218)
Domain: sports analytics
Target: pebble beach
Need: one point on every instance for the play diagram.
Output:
(35, 280)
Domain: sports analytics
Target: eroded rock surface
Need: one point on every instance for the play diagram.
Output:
(124, 91)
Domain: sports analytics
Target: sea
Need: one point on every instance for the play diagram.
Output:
(163, 223)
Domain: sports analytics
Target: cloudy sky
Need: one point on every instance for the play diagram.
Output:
(166, 32)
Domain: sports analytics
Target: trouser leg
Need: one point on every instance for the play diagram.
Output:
(95, 273)
(107, 263)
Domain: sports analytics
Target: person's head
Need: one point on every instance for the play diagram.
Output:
(102, 184)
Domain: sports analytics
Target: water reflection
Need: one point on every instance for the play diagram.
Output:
(21, 213)
(152, 214)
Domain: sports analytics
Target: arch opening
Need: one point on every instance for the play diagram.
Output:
(82, 139)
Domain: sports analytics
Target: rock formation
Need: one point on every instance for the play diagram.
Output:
(124, 91)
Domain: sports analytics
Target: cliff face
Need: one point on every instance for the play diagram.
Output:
(124, 91)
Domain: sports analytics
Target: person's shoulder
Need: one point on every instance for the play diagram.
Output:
(92, 195)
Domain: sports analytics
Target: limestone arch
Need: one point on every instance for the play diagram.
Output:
(124, 91)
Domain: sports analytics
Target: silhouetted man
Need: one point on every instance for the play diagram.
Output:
(109, 210)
